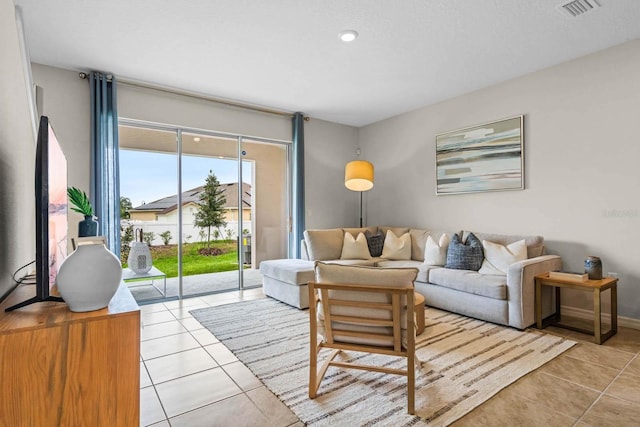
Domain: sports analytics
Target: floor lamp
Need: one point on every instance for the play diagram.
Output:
(358, 176)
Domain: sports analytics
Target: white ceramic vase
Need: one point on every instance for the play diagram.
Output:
(139, 258)
(89, 277)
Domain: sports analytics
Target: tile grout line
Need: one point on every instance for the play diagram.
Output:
(600, 365)
(164, 411)
(603, 392)
(200, 345)
(155, 390)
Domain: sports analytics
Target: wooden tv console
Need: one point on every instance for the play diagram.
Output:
(59, 368)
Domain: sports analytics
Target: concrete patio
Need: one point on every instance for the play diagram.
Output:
(199, 284)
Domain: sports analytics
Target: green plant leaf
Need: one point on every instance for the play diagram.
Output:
(80, 201)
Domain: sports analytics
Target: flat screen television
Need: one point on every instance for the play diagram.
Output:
(51, 213)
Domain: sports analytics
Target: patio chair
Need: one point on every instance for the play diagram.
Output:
(362, 309)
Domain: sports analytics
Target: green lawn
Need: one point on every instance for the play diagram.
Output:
(165, 258)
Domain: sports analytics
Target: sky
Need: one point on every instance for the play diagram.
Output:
(147, 176)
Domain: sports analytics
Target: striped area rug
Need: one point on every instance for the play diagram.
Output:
(464, 362)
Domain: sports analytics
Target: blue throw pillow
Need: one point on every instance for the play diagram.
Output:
(465, 256)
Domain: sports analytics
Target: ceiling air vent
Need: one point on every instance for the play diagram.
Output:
(577, 8)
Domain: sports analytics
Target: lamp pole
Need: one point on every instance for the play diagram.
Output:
(361, 209)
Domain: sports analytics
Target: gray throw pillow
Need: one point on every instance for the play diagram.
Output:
(465, 256)
(375, 241)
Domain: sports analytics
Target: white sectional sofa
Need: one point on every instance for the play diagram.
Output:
(506, 299)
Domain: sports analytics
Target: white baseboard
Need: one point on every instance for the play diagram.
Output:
(627, 322)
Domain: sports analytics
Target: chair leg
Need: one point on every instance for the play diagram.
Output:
(411, 383)
(319, 375)
(313, 366)
(313, 344)
(411, 356)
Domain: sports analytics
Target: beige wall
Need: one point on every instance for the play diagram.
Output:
(143, 216)
(328, 148)
(17, 156)
(232, 214)
(162, 107)
(581, 165)
(65, 100)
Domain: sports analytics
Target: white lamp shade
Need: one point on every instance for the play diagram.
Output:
(358, 175)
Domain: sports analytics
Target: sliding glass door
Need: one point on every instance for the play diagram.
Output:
(225, 211)
(210, 206)
(148, 208)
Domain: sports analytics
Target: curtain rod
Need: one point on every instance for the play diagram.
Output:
(196, 95)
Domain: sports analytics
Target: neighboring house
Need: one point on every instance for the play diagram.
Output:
(162, 215)
(165, 210)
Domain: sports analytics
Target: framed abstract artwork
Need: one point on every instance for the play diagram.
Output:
(486, 157)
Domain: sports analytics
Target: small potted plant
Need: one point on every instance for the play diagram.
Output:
(81, 204)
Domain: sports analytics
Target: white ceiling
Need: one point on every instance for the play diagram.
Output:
(286, 53)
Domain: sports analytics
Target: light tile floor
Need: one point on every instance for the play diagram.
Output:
(188, 378)
(589, 385)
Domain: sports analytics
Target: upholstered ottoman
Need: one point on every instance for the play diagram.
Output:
(287, 280)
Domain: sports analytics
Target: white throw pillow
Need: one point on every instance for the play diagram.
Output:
(498, 258)
(355, 248)
(398, 248)
(435, 253)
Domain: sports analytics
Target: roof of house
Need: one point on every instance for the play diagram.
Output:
(168, 204)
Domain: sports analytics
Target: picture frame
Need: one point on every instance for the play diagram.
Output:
(480, 158)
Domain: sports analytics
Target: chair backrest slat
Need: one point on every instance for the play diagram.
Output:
(363, 304)
(362, 320)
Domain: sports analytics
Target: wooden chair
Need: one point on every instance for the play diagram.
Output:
(362, 309)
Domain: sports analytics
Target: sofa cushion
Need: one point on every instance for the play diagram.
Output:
(423, 269)
(535, 244)
(465, 255)
(435, 252)
(294, 271)
(375, 241)
(470, 281)
(396, 247)
(418, 242)
(498, 258)
(398, 231)
(355, 248)
(324, 244)
(361, 262)
(355, 231)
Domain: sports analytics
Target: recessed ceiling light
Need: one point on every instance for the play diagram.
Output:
(348, 35)
(196, 139)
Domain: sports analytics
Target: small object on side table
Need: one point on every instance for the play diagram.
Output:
(88, 227)
(81, 204)
(593, 267)
(89, 277)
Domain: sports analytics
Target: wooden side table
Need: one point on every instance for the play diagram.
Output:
(595, 286)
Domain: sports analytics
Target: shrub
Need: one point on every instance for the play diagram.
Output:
(149, 237)
(166, 237)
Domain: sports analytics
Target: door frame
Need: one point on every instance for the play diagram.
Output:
(239, 137)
